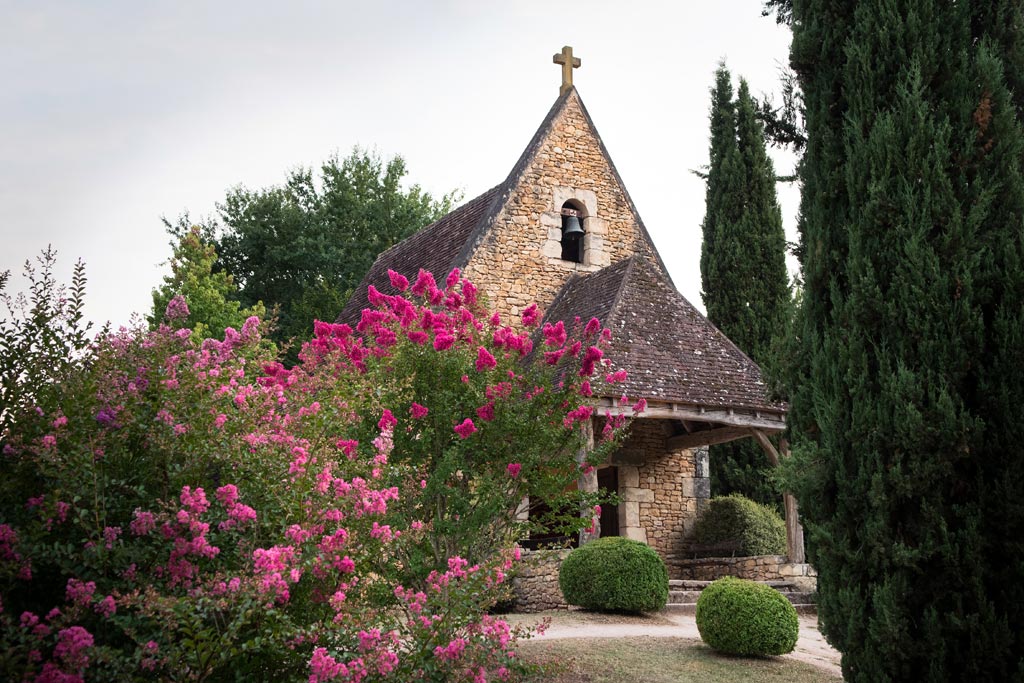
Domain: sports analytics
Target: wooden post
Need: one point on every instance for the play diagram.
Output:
(588, 482)
(794, 532)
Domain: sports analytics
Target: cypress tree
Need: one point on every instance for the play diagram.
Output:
(743, 268)
(907, 390)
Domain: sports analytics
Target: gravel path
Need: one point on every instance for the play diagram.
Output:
(811, 646)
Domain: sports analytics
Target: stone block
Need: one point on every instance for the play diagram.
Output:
(689, 487)
(702, 488)
(629, 475)
(601, 259)
(630, 512)
(703, 464)
(597, 226)
(635, 533)
(628, 456)
(588, 198)
(552, 249)
(552, 220)
(791, 570)
(640, 495)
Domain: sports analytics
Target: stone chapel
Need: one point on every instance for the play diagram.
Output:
(562, 231)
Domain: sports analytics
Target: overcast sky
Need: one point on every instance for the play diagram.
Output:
(113, 114)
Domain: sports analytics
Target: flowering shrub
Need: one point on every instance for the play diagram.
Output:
(176, 510)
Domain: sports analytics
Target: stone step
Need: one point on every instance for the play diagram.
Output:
(691, 608)
(690, 596)
(683, 596)
(688, 584)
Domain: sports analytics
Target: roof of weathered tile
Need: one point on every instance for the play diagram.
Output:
(670, 351)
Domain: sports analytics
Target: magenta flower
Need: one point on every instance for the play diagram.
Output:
(617, 376)
(530, 315)
(592, 327)
(79, 592)
(107, 607)
(514, 469)
(424, 283)
(418, 411)
(71, 646)
(443, 341)
(375, 297)
(486, 411)
(578, 415)
(465, 429)
(590, 359)
(554, 335)
(387, 421)
(398, 281)
(177, 309)
(552, 357)
(143, 523)
(453, 277)
(469, 291)
(484, 360)
(348, 446)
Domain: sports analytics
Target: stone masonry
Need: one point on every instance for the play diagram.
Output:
(662, 491)
(519, 261)
(756, 568)
(535, 584)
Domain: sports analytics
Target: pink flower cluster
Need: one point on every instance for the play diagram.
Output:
(10, 556)
(324, 539)
(238, 514)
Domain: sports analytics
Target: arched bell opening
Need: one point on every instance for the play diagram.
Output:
(573, 230)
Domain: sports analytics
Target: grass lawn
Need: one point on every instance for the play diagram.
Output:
(657, 660)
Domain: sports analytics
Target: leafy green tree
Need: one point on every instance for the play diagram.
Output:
(906, 386)
(210, 296)
(305, 245)
(42, 334)
(743, 264)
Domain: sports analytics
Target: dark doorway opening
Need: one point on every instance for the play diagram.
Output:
(608, 479)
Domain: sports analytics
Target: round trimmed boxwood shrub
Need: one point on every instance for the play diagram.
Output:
(759, 529)
(614, 574)
(740, 617)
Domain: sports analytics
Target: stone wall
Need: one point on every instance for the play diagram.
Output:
(756, 568)
(519, 261)
(535, 584)
(662, 491)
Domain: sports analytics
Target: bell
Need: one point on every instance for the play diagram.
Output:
(572, 227)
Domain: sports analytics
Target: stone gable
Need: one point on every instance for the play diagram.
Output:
(518, 260)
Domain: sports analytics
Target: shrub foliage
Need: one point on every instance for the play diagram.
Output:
(616, 575)
(757, 527)
(175, 510)
(741, 617)
(905, 381)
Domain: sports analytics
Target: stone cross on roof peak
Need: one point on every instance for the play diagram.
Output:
(568, 63)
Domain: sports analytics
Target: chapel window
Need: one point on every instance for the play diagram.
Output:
(573, 219)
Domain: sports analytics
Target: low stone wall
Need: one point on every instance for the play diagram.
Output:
(756, 568)
(535, 583)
